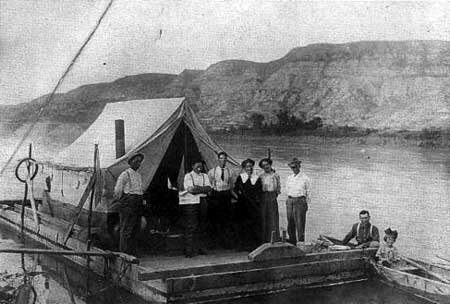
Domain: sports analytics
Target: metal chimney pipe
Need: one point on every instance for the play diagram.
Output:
(120, 138)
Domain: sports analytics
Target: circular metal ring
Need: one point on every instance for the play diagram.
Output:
(34, 168)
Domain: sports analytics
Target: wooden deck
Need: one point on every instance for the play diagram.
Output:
(228, 274)
(163, 266)
(218, 275)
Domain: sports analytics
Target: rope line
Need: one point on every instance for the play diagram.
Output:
(52, 94)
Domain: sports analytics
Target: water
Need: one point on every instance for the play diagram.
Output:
(55, 276)
(403, 188)
(11, 187)
(357, 293)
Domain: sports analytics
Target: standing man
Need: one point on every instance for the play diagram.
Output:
(298, 187)
(219, 205)
(366, 234)
(129, 192)
(197, 185)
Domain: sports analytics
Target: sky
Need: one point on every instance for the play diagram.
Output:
(39, 38)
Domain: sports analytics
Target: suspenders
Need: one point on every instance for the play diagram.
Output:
(370, 230)
(193, 183)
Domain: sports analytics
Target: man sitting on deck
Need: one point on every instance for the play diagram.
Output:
(364, 232)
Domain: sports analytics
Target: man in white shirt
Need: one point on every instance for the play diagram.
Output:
(129, 192)
(219, 204)
(298, 187)
(197, 185)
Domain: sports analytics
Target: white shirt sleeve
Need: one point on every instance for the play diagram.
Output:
(211, 176)
(188, 185)
(308, 190)
(207, 182)
(288, 185)
(118, 188)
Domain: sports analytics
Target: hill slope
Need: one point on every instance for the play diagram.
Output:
(379, 85)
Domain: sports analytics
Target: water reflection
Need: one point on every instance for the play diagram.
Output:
(55, 280)
(356, 293)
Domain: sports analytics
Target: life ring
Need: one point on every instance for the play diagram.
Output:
(34, 168)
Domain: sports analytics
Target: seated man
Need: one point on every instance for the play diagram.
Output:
(364, 232)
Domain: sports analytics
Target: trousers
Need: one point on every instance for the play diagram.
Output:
(129, 224)
(296, 208)
(219, 218)
(191, 214)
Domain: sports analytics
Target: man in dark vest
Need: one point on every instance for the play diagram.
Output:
(364, 232)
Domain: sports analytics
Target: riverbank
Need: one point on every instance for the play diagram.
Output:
(349, 135)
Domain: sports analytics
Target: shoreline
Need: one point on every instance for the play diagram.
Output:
(429, 139)
(419, 139)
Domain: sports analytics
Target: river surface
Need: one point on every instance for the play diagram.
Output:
(406, 189)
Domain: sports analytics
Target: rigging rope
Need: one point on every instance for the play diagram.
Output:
(52, 94)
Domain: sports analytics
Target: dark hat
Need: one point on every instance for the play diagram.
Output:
(392, 233)
(197, 161)
(134, 155)
(265, 160)
(247, 161)
(295, 162)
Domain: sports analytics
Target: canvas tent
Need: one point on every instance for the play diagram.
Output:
(166, 131)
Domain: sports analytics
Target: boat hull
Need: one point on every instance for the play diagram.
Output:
(414, 283)
(444, 271)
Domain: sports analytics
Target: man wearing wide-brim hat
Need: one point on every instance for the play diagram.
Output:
(129, 191)
(298, 187)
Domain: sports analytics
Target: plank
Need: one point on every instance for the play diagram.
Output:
(414, 281)
(33, 203)
(79, 208)
(262, 288)
(67, 211)
(149, 271)
(59, 225)
(429, 272)
(54, 252)
(272, 274)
